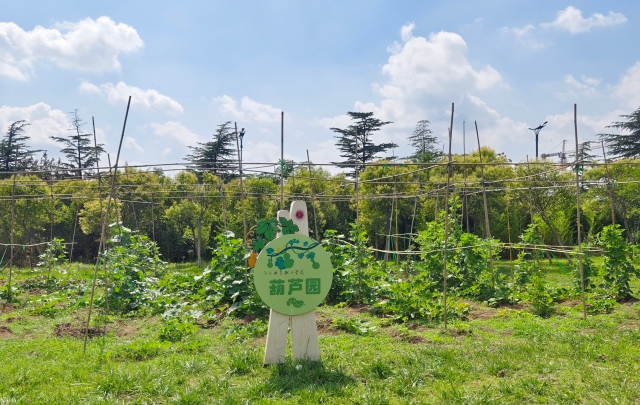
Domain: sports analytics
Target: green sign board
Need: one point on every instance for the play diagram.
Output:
(293, 274)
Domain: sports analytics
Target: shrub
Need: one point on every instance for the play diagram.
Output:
(618, 267)
(133, 264)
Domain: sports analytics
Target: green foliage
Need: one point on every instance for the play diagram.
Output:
(625, 146)
(133, 264)
(79, 148)
(357, 276)
(216, 156)
(54, 255)
(528, 261)
(539, 296)
(175, 329)
(468, 267)
(252, 330)
(360, 327)
(618, 269)
(424, 144)
(267, 229)
(355, 143)
(530, 276)
(226, 284)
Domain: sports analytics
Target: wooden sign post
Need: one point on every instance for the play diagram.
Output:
(293, 275)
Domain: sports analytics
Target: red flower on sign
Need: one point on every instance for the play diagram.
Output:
(299, 215)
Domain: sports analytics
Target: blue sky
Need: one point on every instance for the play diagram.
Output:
(191, 66)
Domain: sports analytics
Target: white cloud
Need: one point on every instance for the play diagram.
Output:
(120, 93)
(571, 19)
(166, 151)
(90, 45)
(436, 66)
(628, 89)
(249, 110)
(264, 152)
(45, 122)
(587, 86)
(406, 32)
(424, 75)
(176, 130)
(339, 121)
(524, 35)
(131, 143)
(495, 130)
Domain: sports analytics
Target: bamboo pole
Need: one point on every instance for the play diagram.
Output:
(575, 124)
(282, 160)
(509, 236)
(153, 219)
(358, 224)
(104, 225)
(13, 224)
(224, 206)
(446, 223)
(242, 196)
(609, 185)
(51, 225)
(103, 216)
(486, 209)
(73, 235)
(313, 201)
(465, 200)
(530, 196)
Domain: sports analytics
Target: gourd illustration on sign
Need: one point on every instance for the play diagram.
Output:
(293, 274)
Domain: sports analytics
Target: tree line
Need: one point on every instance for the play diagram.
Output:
(182, 212)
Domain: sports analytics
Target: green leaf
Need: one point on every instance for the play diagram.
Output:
(288, 227)
(268, 228)
(259, 243)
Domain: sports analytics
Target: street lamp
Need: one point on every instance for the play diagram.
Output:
(241, 137)
(537, 131)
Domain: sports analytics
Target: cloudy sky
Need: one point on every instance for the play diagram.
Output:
(507, 64)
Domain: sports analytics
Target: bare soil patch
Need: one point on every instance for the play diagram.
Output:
(5, 332)
(67, 329)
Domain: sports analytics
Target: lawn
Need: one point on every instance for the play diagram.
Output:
(495, 356)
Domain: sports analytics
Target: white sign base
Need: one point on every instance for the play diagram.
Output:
(304, 331)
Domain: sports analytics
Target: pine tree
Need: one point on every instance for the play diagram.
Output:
(424, 143)
(625, 146)
(14, 152)
(355, 144)
(78, 147)
(216, 156)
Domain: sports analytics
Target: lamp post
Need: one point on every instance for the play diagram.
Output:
(241, 135)
(537, 131)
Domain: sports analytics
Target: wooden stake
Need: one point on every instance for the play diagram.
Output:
(153, 220)
(575, 124)
(13, 224)
(242, 196)
(51, 224)
(75, 226)
(486, 209)
(509, 236)
(358, 264)
(465, 200)
(102, 216)
(104, 225)
(530, 196)
(609, 185)
(446, 222)
(313, 201)
(282, 160)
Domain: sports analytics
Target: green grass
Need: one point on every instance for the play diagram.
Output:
(496, 356)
